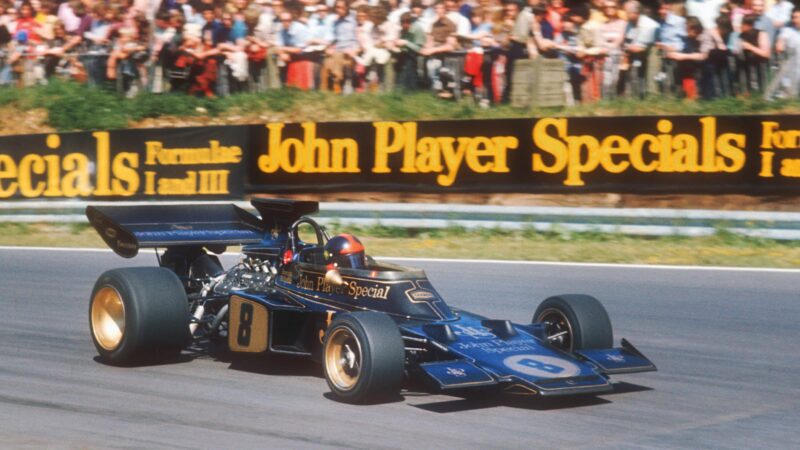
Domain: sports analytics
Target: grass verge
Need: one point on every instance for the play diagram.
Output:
(72, 106)
(722, 249)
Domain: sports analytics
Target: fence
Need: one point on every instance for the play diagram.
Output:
(538, 82)
(629, 221)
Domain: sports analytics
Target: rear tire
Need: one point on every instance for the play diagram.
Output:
(363, 357)
(138, 314)
(575, 322)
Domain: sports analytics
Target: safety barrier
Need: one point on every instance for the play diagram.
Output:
(628, 221)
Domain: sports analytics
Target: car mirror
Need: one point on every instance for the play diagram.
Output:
(334, 277)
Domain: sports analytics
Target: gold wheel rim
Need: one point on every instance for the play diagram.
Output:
(343, 359)
(108, 318)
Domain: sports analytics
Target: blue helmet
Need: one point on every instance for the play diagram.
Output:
(345, 250)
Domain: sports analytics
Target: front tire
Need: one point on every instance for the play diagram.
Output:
(363, 357)
(137, 314)
(575, 322)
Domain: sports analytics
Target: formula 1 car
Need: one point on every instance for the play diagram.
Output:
(371, 324)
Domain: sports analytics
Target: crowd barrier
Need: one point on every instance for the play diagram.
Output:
(539, 82)
(672, 154)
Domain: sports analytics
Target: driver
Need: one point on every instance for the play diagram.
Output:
(345, 250)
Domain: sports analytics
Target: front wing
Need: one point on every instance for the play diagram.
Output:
(488, 352)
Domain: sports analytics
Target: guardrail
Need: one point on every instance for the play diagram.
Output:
(631, 221)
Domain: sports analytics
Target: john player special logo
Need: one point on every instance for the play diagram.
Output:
(350, 288)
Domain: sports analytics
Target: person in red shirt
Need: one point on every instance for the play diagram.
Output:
(26, 22)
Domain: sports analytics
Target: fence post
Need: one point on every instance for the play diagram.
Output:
(538, 83)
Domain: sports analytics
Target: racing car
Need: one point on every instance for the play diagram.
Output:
(371, 324)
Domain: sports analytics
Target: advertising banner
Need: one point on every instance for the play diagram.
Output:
(730, 154)
(673, 154)
(158, 164)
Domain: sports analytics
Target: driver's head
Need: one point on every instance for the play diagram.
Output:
(345, 250)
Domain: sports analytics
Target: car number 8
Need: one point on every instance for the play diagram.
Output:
(245, 321)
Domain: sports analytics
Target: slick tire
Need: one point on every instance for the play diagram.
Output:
(138, 315)
(582, 317)
(363, 357)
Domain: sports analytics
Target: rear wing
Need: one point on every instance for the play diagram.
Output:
(126, 229)
(280, 213)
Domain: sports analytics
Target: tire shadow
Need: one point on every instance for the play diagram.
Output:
(487, 399)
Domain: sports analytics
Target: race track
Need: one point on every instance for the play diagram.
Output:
(727, 345)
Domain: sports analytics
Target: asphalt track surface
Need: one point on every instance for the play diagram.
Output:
(727, 344)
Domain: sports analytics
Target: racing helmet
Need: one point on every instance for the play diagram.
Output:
(345, 250)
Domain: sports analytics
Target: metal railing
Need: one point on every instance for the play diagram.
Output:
(629, 221)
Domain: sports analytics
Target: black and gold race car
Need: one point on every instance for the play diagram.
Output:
(371, 324)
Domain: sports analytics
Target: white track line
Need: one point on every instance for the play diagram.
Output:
(475, 261)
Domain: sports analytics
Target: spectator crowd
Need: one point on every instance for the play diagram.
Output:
(686, 48)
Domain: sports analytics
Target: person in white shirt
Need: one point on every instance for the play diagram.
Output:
(640, 36)
(463, 26)
(705, 10)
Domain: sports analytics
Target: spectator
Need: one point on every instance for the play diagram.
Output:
(639, 38)
(56, 55)
(609, 37)
(463, 25)
(705, 10)
(494, 58)
(440, 41)
(690, 59)
(780, 14)
(26, 23)
(670, 37)
(5, 35)
(192, 15)
(518, 41)
(543, 34)
(787, 81)
(69, 15)
(571, 44)
(320, 24)
(199, 54)
(407, 48)
(753, 55)
(720, 58)
(292, 39)
(340, 55)
(764, 23)
(382, 35)
(397, 10)
(46, 18)
(177, 65)
(556, 12)
(480, 36)
(127, 59)
(739, 9)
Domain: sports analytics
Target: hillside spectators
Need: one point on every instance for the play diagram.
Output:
(363, 45)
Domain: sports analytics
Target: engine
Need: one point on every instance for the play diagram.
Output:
(250, 274)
